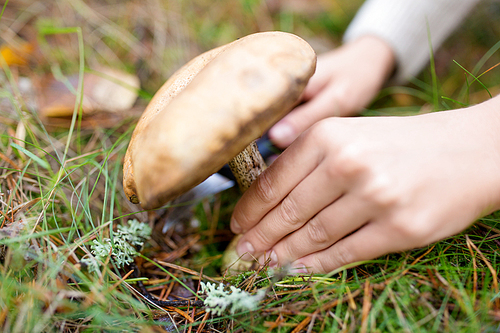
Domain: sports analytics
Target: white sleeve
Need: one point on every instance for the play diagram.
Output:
(403, 25)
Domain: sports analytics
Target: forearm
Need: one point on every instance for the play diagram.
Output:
(406, 25)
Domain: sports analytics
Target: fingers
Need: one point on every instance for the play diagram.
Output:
(345, 81)
(371, 241)
(274, 184)
(323, 105)
(340, 218)
(308, 198)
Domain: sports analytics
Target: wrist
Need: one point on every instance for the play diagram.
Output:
(484, 122)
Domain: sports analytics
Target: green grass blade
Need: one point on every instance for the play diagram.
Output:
(35, 158)
(474, 77)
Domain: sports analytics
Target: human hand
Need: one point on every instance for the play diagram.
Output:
(346, 80)
(353, 189)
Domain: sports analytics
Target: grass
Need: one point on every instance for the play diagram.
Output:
(60, 185)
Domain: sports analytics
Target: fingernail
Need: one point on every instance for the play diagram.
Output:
(245, 251)
(274, 259)
(282, 133)
(235, 227)
(271, 257)
(298, 269)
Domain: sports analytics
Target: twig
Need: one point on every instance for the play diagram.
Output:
(490, 267)
(203, 322)
(185, 270)
(367, 304)
(173, 304)
(11, 162)
(474, 265)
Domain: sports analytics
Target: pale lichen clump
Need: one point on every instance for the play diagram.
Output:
(219, 299)
(121, 247)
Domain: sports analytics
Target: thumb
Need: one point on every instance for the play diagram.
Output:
(323, 105)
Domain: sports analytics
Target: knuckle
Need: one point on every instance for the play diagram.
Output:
(381, 192)
(316, 231)
(342, 255)
(261, 239)
(320, 264)
(350, 161)
(288, 211)
(320, 132)
(285, 251)
(242, 219)
(335, 257)
(414, 230)
(265, 189)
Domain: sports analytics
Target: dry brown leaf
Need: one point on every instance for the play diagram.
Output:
(109, 90)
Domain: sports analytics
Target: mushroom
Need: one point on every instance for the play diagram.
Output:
(240, 92)
(177, 82)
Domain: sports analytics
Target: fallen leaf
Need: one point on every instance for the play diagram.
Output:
(108, 90)
(17, 54)
(96, 119)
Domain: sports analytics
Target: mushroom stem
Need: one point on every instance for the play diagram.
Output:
(247, 166)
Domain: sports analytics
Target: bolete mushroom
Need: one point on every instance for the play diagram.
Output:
(174, 85)
(229, 97)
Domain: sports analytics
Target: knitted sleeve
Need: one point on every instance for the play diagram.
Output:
(403, 25)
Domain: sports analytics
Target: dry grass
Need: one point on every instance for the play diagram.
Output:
(60, 185)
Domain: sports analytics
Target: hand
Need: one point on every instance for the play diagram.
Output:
(346, 80)
(353, 189)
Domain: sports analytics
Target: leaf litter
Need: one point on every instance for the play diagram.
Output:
(48, 223)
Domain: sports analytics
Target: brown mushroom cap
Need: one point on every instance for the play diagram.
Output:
(238, 95)
(174, 85)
